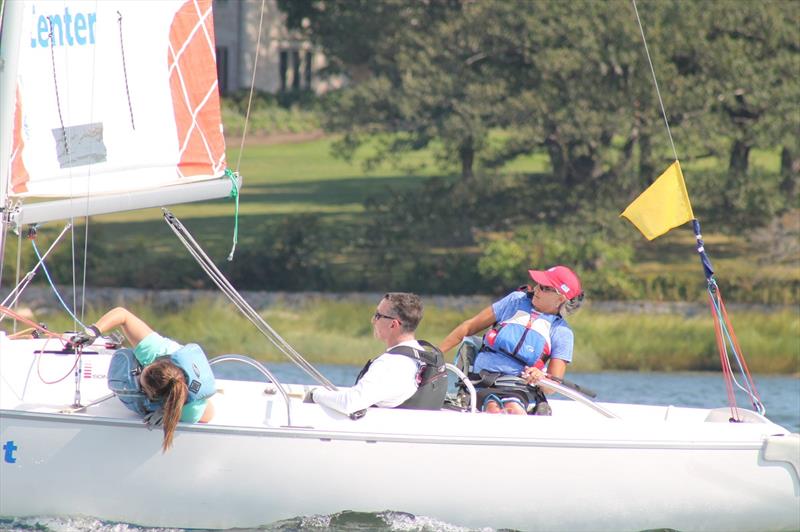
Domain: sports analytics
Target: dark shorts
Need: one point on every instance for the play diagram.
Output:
(502, 395)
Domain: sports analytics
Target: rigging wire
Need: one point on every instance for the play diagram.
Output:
(244, 307)
(5, 311)
(722, 325)
(13, 296)
(235, 195)
(125, 69)
(89, 175)
(655, 81)
(53, 286)
(16, 276)
(252, 86)
(55, 84)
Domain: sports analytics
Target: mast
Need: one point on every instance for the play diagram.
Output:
(10, 32)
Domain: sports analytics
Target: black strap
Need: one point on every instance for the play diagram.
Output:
(429, 355)
(432, 357)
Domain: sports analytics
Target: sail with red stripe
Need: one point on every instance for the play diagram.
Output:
(117, 97)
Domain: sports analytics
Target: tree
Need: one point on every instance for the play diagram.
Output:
(552, 75)
(484, 82)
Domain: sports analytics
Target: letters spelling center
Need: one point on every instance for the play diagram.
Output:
(68, 29)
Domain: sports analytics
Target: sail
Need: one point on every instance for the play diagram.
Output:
(109, 98)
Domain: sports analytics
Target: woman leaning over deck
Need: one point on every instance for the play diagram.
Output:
(176, 376)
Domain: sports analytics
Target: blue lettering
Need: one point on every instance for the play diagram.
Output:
(33, 15)
(92, 20)
(55, 22)
(80, 25)
(67, 29)
(44, 30)
(9, 449)
(68, 26)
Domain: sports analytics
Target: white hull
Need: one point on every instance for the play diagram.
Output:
(655, 467)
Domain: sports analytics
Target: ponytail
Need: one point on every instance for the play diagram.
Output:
(174, 400)
(166, 381)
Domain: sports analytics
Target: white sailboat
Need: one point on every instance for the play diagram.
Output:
(104, 127)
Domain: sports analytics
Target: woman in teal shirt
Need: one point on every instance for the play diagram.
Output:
(161, 379)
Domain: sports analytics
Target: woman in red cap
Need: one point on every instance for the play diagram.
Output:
(528, 331)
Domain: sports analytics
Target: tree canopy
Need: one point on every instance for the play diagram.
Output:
(568, 77)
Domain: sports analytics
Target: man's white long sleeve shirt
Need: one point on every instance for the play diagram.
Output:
(389, 382)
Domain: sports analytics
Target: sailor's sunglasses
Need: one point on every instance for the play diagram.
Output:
(378, 316)
(548, 289)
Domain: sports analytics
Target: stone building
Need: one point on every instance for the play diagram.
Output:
(286, 60)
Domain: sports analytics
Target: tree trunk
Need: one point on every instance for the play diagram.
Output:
(790, 172)
(646, 168)
(740, 151)
(557, 159)
(466, 153)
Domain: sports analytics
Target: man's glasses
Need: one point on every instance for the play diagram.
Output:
(378, 316)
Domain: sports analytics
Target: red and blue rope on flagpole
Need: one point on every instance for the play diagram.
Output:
(727, 344)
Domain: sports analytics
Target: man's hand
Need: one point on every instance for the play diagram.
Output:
(154, 419)
(309, 397)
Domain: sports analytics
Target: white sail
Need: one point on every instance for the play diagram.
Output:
(109, 98)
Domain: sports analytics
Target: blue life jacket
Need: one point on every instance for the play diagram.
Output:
(123, 380)
(525, 337)
(199, 377)
(125, 369)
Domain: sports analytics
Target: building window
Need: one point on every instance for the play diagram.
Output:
(284, 67)
(307, 65)
(295, 70)
(222, 69)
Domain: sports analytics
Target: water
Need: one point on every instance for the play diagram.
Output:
(780, 395)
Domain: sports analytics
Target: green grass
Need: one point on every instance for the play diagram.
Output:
(338, 331)
(304, 178)
(279, 179)
(648, 342)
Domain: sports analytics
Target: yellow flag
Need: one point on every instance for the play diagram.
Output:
(664, 205)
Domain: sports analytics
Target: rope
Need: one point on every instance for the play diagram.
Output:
(39, 371)
(85, 269)
(18, 317)
(724, 361)
(729, 338)
(655, 81)
(723, 328)
(244, 307)
(13, 296)
(16, 276)
(53, 286)
(125, 69)
(252, 88)
(235, 196)
(55, 84)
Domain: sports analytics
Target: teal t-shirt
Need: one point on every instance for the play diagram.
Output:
(153, 346)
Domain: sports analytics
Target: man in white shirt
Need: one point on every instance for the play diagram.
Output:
(390, 379)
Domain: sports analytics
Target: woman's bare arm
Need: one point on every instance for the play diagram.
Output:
(134, 328)
(468, 327)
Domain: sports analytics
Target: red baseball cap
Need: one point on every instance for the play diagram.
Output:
(561, 278)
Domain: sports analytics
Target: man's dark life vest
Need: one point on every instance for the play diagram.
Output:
(431, 377)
